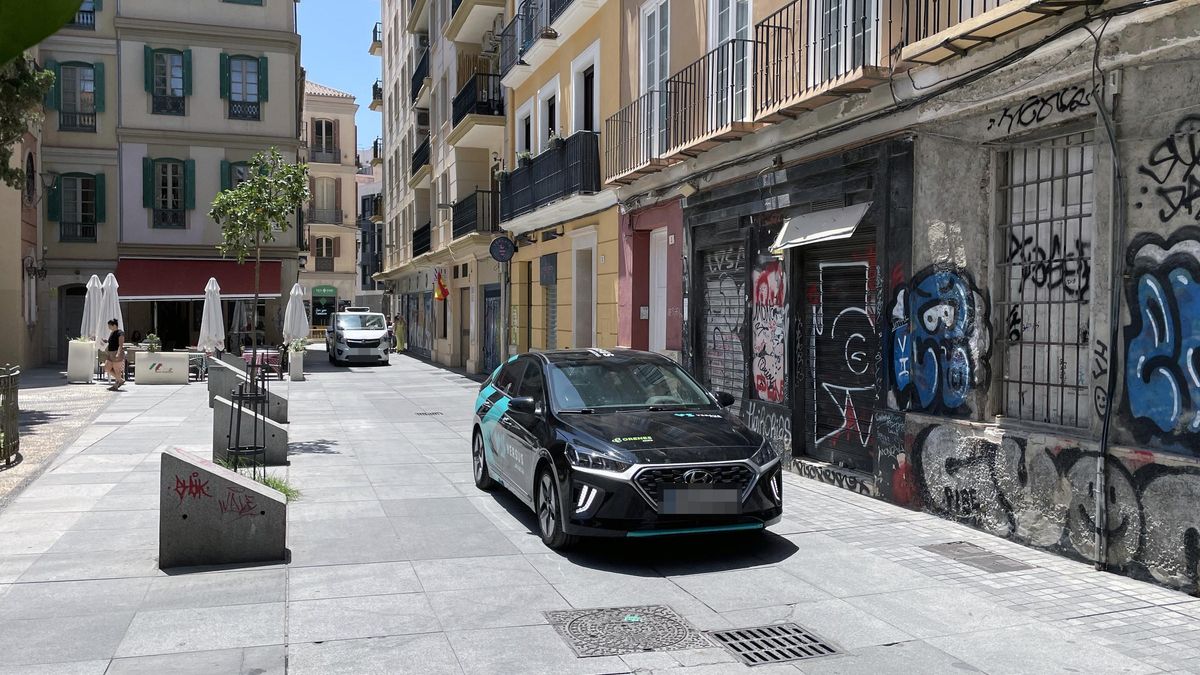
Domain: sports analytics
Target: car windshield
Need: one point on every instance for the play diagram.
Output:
(361, 321)
(615, 382)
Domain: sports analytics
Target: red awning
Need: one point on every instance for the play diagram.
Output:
(184, 278)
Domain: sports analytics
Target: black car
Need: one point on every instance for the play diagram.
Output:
(620, 443)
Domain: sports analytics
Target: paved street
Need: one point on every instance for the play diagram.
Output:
(399, 565)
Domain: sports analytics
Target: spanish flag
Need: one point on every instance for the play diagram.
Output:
(439, 287)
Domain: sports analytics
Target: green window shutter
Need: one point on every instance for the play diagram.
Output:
(98, 82)
(187, 72)
(54, 201)
(262, 78)
(53, 94)
(98, 5)
(148, 68)
(226, 175)
(224, 76)
(147, 183)
(101, 211)
(189, 184)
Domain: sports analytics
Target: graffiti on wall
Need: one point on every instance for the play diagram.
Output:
(724, 318)
(773, 422)
(769, 330)
(1039, 108)
(1044, 493)
(1174, 168)
(1162, 340)
(941, 341)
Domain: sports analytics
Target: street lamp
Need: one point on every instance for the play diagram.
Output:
(34, 268)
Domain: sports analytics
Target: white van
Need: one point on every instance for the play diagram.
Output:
(356, 334)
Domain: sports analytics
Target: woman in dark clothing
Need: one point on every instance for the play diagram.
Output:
(114, 361)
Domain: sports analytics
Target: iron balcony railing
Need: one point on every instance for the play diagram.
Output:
(316, 215)
(325, 155)
(77, 231)
(244, 110)
(709, 96)
(420, 157)
(377, 33)
(170, 218)
(419, 74)
(566, 168)
(480, 96)
(421, 239)
(478, 212)
(76, 121)
(167, 105)
(636, 135)
(525, 27)
(324, 264)
(84, 18)
(926, 18)
(377, 150)
(377, 91)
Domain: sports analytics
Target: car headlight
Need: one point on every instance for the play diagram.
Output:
(765, 455)
(604, 460)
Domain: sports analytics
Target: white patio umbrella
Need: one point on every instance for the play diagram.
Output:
(295, 321)
(212, 322)
(109, 308)
(91, 307)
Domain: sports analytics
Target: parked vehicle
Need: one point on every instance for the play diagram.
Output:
(620, 443)
(355, 335)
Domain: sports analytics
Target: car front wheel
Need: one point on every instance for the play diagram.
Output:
(549, 513)
(483, 480)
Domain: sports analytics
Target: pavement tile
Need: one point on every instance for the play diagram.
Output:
(197, 629)
(423, 654)
(495, 607)
(903, 657)
(82, 541)
(1011, 650)
(444, 506)
(530, 650)
(745, 589)
(931, 612)
(94, 667)
(216, 589)
(345, 551)
(117, 520)
(338, 581)
(92, 565)
(72, 598)
(42, 641)
(452, 574)
(360, 617)
(836, 620)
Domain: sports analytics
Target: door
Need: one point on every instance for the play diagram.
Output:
(583, 278)
(464, 326)
(729, 71)
(722, 320)
(490, 349)
(658, 290)
(70, 317)
(841, 326)
(498, 420)
(656, 67)
(530, 429)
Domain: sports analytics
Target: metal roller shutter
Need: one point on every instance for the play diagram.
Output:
(551, 316)
(722, 320)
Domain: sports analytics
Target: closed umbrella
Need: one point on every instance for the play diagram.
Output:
(212, 323)
(91, 308)
(110, 308)
(295, 320)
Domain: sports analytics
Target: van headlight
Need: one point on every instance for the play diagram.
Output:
(603, 460)
(339, 338)
(765, 455)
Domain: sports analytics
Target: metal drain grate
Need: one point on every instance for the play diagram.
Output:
(613, 631)
(776, 643)
(976, 556)
(428, 414)
(773, 644)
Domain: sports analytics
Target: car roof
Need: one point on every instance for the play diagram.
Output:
(596, 354)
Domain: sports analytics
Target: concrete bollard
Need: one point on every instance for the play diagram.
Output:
(209, 515)
(223, 380)
(276, 435)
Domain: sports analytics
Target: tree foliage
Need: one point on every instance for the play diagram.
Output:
(262, 205)
(24, 23)
(22, 89)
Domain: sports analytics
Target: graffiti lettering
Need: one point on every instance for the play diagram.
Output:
(1162, 340)
(191, 486)
(769, 331)
(1174, 166)
(1037, 109)
(1099, 376)
(836, 476)
(941, 341)
(1055, 269)
(238, 503)
(773, 422)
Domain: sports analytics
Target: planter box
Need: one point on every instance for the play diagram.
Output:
(162, 368)
(296, 366)
(81, 361)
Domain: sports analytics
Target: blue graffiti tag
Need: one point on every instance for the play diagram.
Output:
(940, 341)
(1162, 354)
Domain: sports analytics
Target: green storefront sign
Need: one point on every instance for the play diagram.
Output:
(324, 292)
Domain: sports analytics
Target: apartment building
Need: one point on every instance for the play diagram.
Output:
(22, 261)
(370, 223)
(443, 135)
(331, 231)
(156, 109)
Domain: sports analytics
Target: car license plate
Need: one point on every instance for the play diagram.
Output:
(700, 501)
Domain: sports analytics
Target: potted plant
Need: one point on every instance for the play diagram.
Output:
(296, 360)
(81, 359)
(153, 343)
(501, 176)
(524, 158)
(555, 141)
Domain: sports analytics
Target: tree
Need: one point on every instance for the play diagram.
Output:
(23, 23)
(251, 214)
(23, 86)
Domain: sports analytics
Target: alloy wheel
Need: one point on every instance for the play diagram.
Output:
(547, 507)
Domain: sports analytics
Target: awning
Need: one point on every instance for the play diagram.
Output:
(184, 278)
(818, 226)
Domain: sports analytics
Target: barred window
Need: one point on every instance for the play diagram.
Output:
(1046, 226)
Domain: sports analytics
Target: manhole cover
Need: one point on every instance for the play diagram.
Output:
(772, 644)
(976, 556)
(614, 631)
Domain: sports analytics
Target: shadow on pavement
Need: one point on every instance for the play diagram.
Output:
(319, 447)
(34, 418)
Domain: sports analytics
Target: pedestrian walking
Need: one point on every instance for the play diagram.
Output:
(399, 334)
(114, 360)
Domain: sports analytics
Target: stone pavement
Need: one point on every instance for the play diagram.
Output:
(399, 565)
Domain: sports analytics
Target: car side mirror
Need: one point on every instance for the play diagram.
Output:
(724, 399)
(523, 404)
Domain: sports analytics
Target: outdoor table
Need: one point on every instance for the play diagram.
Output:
(268, 359)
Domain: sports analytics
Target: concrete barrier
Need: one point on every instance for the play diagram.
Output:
(209, 515)
(234, 361)
(223, 380)
(274, 435)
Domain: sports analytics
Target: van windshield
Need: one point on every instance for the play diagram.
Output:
(361, 321)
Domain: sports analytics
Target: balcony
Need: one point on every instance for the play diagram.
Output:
(170, 219)
(421, 240)
(937, 30)
(567, 168)
(77, 121)
(419, 170)
(85, 19)
(376, 39)
(710, 101)
(324, 155)
(477, 213)
(809, 54)
(535, 33)
(418, 16)
(324, 264)
(244, 110)
(470, 19)
(162, 104)
(421, 82)
(77, 232)
(635, 138)
(330, 216)
(377, 152)
(376, 95)
(478, 114)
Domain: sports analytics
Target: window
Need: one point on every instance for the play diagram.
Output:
(168, 199)
(29, 193)
(547, 114)
(524, 128)
(324, 146)
(510, 376)
(1046, 193)
(169, 82)
(85, 16)
(326, 251)
(656, 64)
(78, 211)
(243, 86)
(77, 107)
(533, 384)
(844, 33)
(233, 174)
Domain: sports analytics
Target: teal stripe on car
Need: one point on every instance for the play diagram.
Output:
(696, 530)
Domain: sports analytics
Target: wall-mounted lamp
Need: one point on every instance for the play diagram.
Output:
(525, 239)
(551, 235)
(33, 267)
(688, 188)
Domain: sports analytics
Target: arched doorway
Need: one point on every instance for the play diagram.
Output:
(70, 315)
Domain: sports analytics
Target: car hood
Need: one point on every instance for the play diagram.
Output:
(363, 334)
(662, 437)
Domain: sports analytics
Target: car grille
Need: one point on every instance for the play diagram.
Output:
(362, 344)
(653, 480)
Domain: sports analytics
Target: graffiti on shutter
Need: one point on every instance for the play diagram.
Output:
(722, 321)
(551, 292)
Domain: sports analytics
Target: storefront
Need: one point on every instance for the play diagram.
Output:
(324, 304)
(651, 279)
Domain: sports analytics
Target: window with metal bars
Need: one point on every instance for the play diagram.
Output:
(1046, 196)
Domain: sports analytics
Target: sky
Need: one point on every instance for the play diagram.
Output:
(334, 38)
